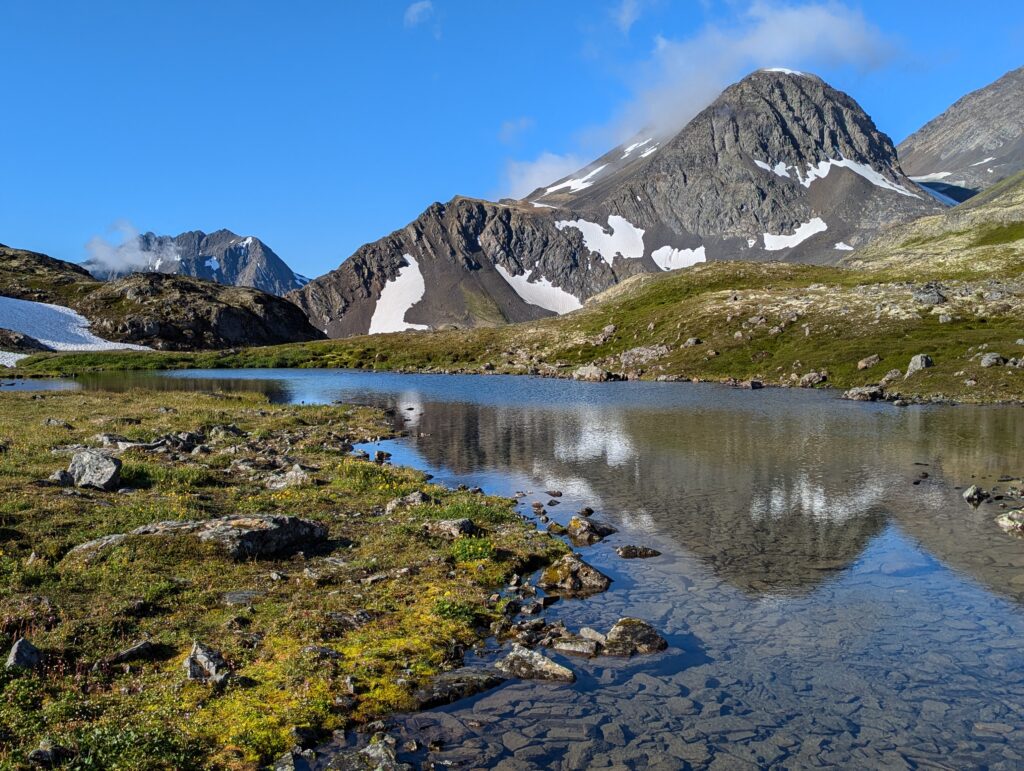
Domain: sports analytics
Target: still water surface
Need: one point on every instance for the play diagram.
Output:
(821, 608)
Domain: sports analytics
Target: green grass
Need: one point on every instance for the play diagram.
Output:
(1003, 234)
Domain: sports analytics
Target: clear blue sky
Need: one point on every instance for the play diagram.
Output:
(319, 126)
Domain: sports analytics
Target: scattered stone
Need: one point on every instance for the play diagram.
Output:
(918, 362)
(450, 529)
(461, 683)
(929, 294)
(869, 361)
(412, 499)
(61, 478)
(556, 529)
(381, 756)
(812, 379)
(868, 393)
(692, 341)
(591, 373)
(23, 655)
(57, 423)
(992, 360)
(572, 576)
(974, 495)
(206, 665)
(294, 477)
(592, 634)
(587, 531)
(641, 355)
(530, 665)
(1012, 521)
(576, 646)
(91, 468)
(240, 537)
(631, 636)
(586, 511)
(637, 552)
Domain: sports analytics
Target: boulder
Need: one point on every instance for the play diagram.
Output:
(868, 393)
(575, 645)
(206, 665)
(450, 529)
(91, 468)
(23, 655)
(812, 379)
(587, 531)
(591, 373)
(461, 683)
(530, 665)
(637, 552)
(630, 636)
(974, 495)
(1012, 521)
(918, 362)
(61, 479)
(992, 360)
(239, 537)
(869, 361)
(571, 576)
(412, 499)
(294, 477)
(49, 755)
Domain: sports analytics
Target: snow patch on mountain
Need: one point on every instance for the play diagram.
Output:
(668, 258)
(820, 171)
(541, 292)
(785, 71)
(581, 183)
(637, 145)
(397, 298)
(624, 239)
(773, 243)
(843, 247)
(983, 162)
(55, 326)
(938, 176)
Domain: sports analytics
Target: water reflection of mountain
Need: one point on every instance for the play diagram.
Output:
(771, 500)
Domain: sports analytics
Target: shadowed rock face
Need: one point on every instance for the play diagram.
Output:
(778, 154)
(975, 143)
(222, 256)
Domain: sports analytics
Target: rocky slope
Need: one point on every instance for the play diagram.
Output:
(222, 256)
(974, 144)
(781, 166)
(153, 309)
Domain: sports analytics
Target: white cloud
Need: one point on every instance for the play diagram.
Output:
(626, 15)
(511, 129)
(683, 76)
(522, 177)
(417, 13)
(124, 255)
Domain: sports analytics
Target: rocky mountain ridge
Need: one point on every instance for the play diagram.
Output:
(780, 167)
(221, 256)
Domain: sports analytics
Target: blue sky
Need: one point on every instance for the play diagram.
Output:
(319, 126)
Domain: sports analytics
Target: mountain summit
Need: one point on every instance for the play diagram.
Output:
(780, 167)
(974, 144)
(221, 256)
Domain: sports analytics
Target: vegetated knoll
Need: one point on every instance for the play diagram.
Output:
(304, 625)
(981, 237)
(157, 310)
(782, 324)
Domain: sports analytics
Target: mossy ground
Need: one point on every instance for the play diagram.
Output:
(171, 590)
(839, 322)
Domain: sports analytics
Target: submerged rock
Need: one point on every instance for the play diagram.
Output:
(637, 552)
(462, 683)
(573, 577)
(530, 665)
(91, 468)
(630, 636)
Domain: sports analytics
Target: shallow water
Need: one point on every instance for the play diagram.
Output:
(822, 608)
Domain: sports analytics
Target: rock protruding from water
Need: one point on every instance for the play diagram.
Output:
(974, 495)
(92, 468)
(631, 552)
(630, 636)
(585, 532)
(530, 665)
(591, 373)
(868, 393)
(573, 577)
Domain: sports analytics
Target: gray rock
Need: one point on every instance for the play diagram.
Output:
(869, 361)
(992, 360)
(812, 379)
(571, 576)
(462, 683)
(207, 665)
(588, 531)
(529, 665)
(868, 393)
(91, 468)
(450, 529)
(49, 755)
(61, 478)
(692, 341)
(294, 477)
(1012, 521)
(576, 646)
(416, 498)
(630, 636)
(974, 495)
(592, 634)
(930, 294)
(57, 423)
(637, 552)
(918, 362)
(23, 655)
(591, 373)
(641, 355)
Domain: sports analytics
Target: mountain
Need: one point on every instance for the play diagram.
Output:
(780, 167)
(159, 311)
(977, 142)
(221, 256)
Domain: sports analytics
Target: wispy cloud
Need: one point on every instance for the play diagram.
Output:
(123, 253)
(626, 15)
(682, 76)
(523, 177)
(417, 13)
(511, 130)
